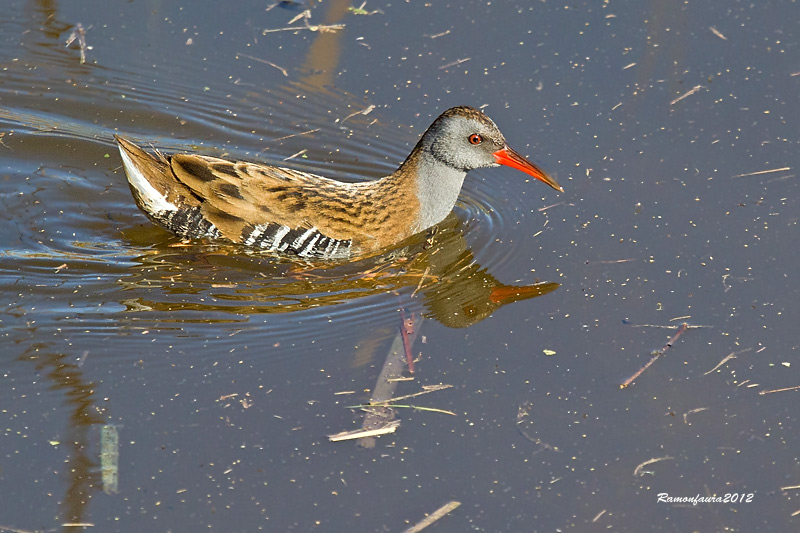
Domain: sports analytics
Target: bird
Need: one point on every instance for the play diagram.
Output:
(317, 218)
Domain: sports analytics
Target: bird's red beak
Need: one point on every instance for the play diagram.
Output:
(508, 157)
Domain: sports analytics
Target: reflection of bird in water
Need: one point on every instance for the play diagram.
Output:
(462, 292)
(293, 212)
(437, 270)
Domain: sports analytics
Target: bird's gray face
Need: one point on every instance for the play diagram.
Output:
(466, 143)
(463, 138)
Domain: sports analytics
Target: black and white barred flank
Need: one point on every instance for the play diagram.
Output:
(188, 223)
(305, 242)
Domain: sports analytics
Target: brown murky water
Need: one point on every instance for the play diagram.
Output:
(150, 386)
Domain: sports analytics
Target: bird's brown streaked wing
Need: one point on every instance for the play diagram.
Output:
(236, 197)
(218, 184)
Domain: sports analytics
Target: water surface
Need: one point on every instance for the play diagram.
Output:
(671, 126)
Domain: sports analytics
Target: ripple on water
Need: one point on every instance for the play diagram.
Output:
(497, 215)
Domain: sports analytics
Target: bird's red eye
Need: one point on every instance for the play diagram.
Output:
(475, 139)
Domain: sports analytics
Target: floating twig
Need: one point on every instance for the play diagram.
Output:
(438, 514)
(640, 471)
(691, 412)
(305, 15)
(784, 389)
(545, 208)
(688, 93)
(437, 35)
(454, 63)
(296, 134)
(391, 402)
(759, 172)
(718, 33)
(361, 11)
(427, 389)
(389, 427)
(301, 152)
(683, 327)
(661, 326)
(79, 34)
(369, 109)
(725, 359)
(523, 414)
(283, 70)
(610, 261)
(421, 281)
(403, 406)
(109, 458)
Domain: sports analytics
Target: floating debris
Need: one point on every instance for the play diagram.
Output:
(725, 359)
(525, 421)
(455, 63)
(784, 389)
(306, 15)
(366, 111)
(718, 33)
(688, 93)
(437, 35)
(79, 34)
(361, 11)
(109, 458)
(640, 471)
(691, 412)
(390, 427)
(681, 330)
(283, 70)
(760, 172)
(297, 154)
(438, 514)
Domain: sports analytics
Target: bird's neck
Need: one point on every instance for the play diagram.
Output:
(437, 186)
